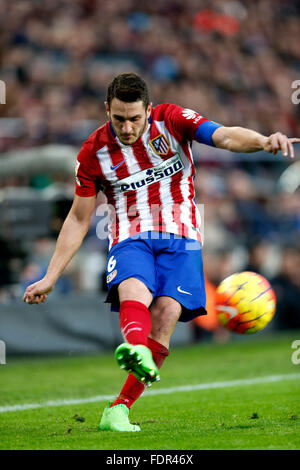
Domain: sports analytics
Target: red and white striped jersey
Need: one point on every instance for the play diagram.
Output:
(150, 183)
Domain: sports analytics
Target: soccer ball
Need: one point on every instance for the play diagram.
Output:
(245, 302)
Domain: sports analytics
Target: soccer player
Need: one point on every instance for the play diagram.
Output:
(142, 160)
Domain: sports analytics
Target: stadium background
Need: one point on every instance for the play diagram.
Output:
(232, 61)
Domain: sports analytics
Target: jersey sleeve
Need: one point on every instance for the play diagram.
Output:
(191, 125)
(86, 178)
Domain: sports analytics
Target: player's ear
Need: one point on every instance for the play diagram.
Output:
(106, 107)
(149, 109)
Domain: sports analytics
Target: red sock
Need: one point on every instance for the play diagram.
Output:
(135, 322)
(159, 352)
(133, 388)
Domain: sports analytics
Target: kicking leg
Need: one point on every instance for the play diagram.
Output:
(135, 324)
(164, 315)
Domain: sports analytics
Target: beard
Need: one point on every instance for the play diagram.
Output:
(133, 137)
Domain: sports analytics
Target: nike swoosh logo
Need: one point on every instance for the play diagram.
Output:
(183, 291)
(116, 166)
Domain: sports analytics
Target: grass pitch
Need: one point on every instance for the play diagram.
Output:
(262, 415)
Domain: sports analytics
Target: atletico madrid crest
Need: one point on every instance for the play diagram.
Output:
(160, 145)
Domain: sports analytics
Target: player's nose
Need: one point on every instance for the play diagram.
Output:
(127, 127)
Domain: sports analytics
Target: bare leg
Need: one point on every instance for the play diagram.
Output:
(165, 313)
(134, 289)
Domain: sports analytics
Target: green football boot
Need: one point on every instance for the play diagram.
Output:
(138, 360)
(116, 419)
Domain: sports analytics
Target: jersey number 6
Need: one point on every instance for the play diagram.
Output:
(111, 264)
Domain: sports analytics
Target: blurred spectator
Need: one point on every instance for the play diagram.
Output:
(287, 289)
(262, 257)
(12, 260)
(37, 264)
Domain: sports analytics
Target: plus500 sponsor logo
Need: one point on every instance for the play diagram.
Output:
(151, 175)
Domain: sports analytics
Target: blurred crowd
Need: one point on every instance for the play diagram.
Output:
(233, 61)
(216, 56)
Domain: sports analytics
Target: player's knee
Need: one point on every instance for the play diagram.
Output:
(134, 289)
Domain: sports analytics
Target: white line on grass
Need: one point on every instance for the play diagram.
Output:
(160, 391)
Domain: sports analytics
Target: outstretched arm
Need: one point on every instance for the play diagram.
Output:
(239, 139)
(69, 240)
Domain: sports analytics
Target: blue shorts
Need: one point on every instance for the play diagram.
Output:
(167, 264)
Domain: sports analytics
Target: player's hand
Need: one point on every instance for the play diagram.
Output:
(38, 292)
(279, 141)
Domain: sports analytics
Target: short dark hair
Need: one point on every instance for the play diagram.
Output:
(128, 87)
